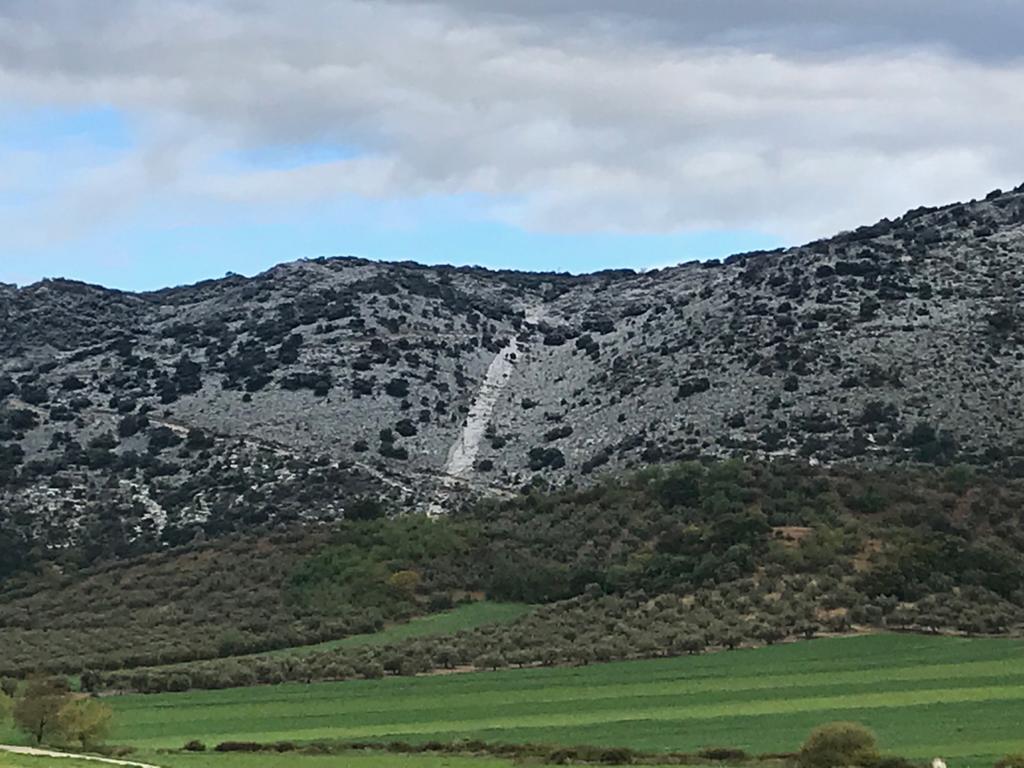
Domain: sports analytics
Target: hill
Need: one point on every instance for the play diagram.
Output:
(134, 421)
(668, 561)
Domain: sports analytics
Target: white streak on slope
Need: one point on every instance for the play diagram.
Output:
(463, 452)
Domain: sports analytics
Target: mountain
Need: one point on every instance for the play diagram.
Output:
(337, 387)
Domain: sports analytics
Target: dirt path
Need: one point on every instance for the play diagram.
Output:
(33, 752)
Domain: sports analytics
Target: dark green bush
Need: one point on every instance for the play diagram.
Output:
(839, 745)
(239, 746)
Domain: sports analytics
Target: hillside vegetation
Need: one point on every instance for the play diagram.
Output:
(665, 562)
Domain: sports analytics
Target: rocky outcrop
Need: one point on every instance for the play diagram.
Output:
(239, 402)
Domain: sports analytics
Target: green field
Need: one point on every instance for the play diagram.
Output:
(347, 760)
(925, 696)
(208, 760)
(20, 761)
(466, 616)
(931, 696)
(350, 760)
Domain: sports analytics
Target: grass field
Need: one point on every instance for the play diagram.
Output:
(20, 761)
(347, 760)
(925, 696)
(351, 760)
(466, 616)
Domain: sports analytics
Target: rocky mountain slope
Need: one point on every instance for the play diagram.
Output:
(321, 386)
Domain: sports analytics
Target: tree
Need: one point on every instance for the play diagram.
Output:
(37, 710)
(446, 656)
(769, 634)
(365, 509)
(490, 661)
(405, 583)
(84, 721)
(691, 643)
(837, 745)
(808, 628)
(90, 680)
(371, 670)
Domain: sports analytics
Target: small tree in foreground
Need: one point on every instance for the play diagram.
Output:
(84, 721)
(838, 745)
(37, 710)
(48, 712)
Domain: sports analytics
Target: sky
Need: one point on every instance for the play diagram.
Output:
(146, 143)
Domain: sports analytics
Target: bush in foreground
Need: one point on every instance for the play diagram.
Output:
(836, 745)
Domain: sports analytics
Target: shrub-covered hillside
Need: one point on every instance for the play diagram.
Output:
(132, 422)
(670, 560)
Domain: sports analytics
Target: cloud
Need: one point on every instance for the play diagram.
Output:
(982, 29)
(794, 118)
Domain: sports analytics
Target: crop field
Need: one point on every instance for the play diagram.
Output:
(346, 760)
(207, 760)
(959, 698)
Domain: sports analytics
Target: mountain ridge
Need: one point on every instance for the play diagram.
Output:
(144, 419)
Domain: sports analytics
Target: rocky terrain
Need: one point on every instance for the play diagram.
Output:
(321, 387)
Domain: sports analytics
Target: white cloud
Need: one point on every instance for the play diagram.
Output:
(566, 117)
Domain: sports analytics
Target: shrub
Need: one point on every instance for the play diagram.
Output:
(539, 458)
(724, 754)
(562, 757)
(371, 670)
(195, 746)
(894, 762)
(693, 386)
(397, 388)
(405, 428)
(869, 308)
(85, 721)
(1011, 761)
(238, 746)
(405, 582)
(557, 433)
(9, 686)
(836, 745)
(616, 756)
(365, 508)
(391, 451)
